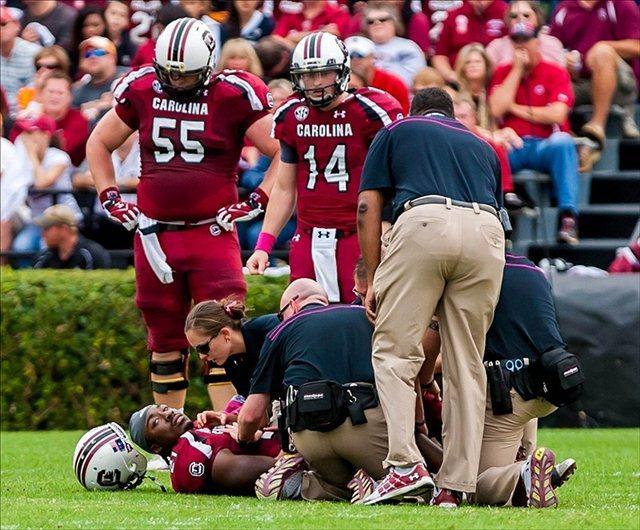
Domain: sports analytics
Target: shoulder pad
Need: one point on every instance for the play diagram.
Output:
(129, 80)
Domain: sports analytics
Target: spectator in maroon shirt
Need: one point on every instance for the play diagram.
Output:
(361, 51)
(71, 126)
(310, 16)
(602, 35)
(475, 21)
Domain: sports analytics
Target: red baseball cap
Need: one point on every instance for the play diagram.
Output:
(40, 123)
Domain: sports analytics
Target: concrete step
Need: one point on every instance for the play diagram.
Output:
(595, 253)
(613, 187)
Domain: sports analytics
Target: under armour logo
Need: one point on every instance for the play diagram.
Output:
(414, 476)
(339, 113)
(322, 233)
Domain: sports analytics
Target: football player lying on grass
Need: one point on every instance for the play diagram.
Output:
(204, 455)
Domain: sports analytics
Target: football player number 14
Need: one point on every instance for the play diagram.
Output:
(334, 173)
(190, 150)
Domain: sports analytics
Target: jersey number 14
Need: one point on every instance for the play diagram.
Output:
(336, 170)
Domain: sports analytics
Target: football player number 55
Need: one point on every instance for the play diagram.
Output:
(334, 173)
(190, 151)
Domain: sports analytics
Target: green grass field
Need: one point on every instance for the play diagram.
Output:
(39, 490)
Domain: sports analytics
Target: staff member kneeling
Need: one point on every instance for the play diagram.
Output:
(320, 357)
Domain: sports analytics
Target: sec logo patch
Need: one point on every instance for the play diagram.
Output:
(301, 113)
(214, 230)
(196, 469)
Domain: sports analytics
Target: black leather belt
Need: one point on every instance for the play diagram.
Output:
(438, 199)
(339, 233)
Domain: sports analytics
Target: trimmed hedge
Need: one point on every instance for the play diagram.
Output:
(73, 352)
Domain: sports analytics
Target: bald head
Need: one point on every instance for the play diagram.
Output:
(302, 292)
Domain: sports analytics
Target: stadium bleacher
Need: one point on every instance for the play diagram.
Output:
(609, 200)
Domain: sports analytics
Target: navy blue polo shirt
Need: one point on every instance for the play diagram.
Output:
(432, 155)
(524, 322)
(239, 368)
(318, 343)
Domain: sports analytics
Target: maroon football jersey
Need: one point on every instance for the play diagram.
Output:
(189, 150)
(193, 455)
(331, 147)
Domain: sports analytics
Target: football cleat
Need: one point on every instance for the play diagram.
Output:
(536, 474)
(361, 486)
(283, 480)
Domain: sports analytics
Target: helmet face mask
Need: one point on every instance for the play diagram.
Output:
(105, 459)
(328, 91)
(184, 49)
(319, 53)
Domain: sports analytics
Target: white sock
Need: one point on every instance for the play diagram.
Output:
(404, 470)
(525, 474)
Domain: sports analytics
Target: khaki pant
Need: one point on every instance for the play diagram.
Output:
(498, 474)
(529, 436)
(335, 456)
(447, 261)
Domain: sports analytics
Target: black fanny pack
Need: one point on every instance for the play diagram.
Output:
(561, 377)
(325, 405)
(556, 376)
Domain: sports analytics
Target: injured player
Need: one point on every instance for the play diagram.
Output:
(204, 456)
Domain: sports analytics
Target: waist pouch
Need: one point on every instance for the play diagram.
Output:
(325, 405)
(556, 376)
(561, 377)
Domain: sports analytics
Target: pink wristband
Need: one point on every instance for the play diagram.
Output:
(265, 242)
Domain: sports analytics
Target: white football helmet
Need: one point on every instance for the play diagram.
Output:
(185, 47)
(320, 52)
(104, 459)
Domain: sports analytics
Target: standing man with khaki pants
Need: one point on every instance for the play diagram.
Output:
(445, 257)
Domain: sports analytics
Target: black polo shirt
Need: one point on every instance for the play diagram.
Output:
(432, 155)
(320, 342)
(86, 255)
(524, 322)
(238, 368)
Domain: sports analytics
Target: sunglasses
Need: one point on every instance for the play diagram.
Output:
(95, 53)
(357, 55)
(280, 314)
(204, 348)
(47, 66)
(372, 21)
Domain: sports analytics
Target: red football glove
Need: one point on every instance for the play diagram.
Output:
(122, 212)
(242, 211)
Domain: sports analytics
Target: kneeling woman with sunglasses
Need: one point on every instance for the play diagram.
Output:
(227, 341)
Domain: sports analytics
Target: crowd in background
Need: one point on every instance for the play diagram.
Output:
(514, 69)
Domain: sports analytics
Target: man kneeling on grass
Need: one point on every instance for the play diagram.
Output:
(205, 456)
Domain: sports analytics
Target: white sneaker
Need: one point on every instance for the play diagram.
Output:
(157, 463)
(629, 127)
